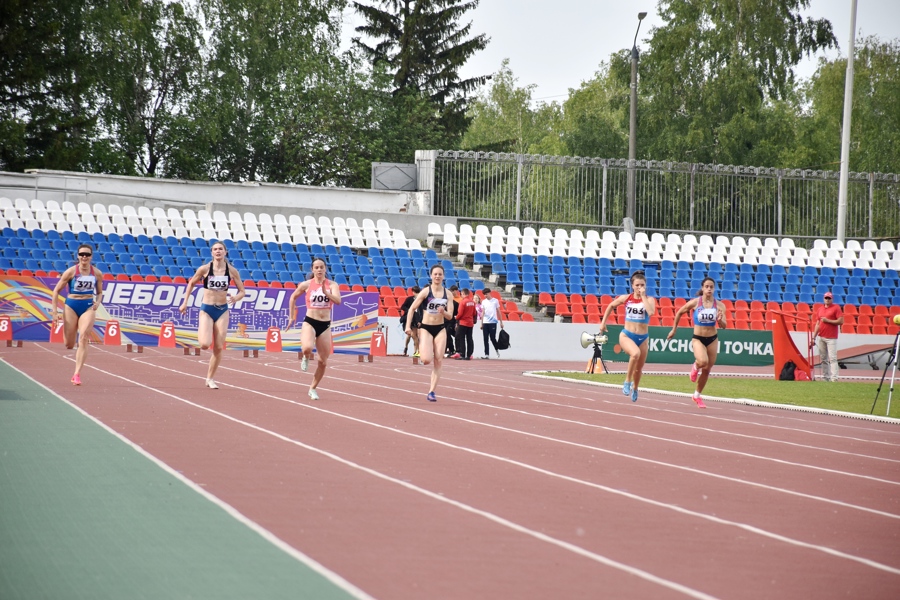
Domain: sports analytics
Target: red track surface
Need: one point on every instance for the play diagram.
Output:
(509, 486)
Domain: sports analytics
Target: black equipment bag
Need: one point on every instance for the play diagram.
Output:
(787, 371)
(503, 340)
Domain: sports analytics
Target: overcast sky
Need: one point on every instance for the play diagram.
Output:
(557, 45)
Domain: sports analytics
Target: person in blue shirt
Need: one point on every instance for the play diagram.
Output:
(708, 314)
(633, 337)
(85, 283)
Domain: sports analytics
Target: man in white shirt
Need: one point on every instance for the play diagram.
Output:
(489, 320)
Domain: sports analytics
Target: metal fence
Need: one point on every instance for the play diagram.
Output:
(551, 191)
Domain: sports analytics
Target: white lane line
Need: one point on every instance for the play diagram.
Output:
(492, 380)
(705, 417)
(233, 512)
(606, 451)
(663, 400)
(634, 433)
(656, 503)
(599, 558)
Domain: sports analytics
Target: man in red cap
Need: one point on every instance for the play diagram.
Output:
(829, 319)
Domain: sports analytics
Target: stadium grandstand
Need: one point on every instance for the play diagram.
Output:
(567, 274)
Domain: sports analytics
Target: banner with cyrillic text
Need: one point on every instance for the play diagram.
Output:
(736, 347)
(141, 307)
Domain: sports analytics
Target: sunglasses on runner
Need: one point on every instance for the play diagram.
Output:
(85, 254)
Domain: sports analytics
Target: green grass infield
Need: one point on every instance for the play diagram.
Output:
(844, 396)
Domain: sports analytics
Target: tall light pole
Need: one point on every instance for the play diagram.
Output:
(632, 124)
(845, 131)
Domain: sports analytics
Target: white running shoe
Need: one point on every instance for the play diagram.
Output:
(304, 363)
(313, 394)
(211, 384)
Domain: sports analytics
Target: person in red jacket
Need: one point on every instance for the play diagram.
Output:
(829, 319)
(465, 323)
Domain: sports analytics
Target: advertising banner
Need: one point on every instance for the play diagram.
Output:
(736, 347)
(140, 308)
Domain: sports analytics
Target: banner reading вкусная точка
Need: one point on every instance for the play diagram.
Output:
(141, 307)
(749, 348)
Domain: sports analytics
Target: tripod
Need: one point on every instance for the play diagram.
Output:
(598, 355)
(892, 359)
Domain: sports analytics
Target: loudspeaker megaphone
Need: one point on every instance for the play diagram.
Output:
(588, 340)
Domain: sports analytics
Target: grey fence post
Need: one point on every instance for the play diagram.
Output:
(871, 200)
(520, 159)
(693, 171)
(780, 213)
(603, 198)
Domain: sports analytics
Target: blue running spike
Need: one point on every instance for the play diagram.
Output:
(431, 397)
(626, 389)
(634, 395)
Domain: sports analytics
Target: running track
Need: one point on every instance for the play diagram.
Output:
(511, 486)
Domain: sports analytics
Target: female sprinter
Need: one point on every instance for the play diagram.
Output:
(707, 314)
(432, 333)
(321, 294)
(85, 291)
(633, 338)
(216, 278)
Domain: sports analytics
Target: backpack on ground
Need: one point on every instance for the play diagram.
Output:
(787, 371)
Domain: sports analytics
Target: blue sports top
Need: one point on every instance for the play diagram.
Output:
(706, 317)
(635, 311)
(83, 284)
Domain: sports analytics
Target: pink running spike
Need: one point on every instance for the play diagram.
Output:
(694, 372)
(699, 401)
(76, 379)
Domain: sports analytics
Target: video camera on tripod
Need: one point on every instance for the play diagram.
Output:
(596, 340)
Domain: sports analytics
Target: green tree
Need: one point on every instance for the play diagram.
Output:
(47, 112)
(595, 121)
(713, 71)
(266, 60)
(424, 46)
(148, 61)
(875, 117)
(503, 120)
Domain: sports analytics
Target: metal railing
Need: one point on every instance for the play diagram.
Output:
(551, 191)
